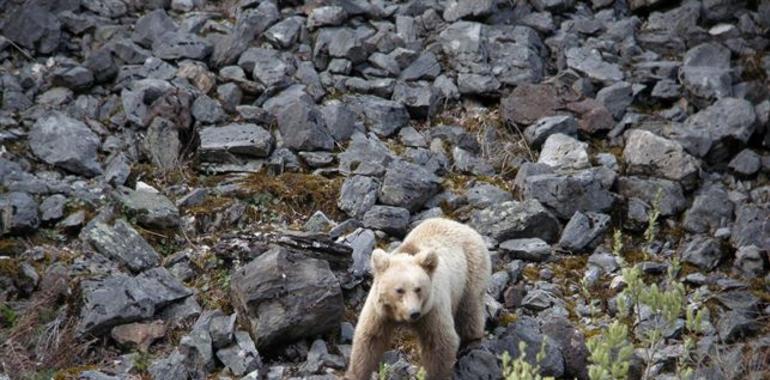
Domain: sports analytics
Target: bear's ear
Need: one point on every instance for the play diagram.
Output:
(428, 260)
(380, 261)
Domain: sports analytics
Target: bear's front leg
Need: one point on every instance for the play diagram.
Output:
(439, 343)
(370, 341)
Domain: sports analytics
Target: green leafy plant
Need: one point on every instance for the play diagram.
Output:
(421, 374)
(652, 217)
(610, 353)
(519, 368)
(8, 315)
(384, 372)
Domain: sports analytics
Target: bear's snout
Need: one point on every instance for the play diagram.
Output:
(414, 315)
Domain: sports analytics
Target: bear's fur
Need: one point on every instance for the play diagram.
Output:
(433, 283)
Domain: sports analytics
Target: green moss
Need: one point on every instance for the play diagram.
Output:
(7, 316)
(10, 247)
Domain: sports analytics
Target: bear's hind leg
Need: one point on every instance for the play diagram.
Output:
(438, 344)
(470, 319)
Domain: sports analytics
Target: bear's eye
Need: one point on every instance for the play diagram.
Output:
(400, 291)
(417, 290)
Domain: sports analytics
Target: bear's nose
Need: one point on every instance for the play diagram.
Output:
(414, 315)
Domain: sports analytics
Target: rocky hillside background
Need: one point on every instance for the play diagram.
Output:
(192, 189)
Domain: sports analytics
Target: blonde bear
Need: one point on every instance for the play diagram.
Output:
(433, 283)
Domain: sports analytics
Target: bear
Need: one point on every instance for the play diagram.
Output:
(434, 284)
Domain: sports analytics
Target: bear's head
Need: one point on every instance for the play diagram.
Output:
(403, 283)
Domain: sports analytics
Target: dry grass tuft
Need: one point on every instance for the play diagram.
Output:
(296, 195)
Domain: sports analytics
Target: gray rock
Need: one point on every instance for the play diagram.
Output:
(383, 117)
(285, 296)
(121, 299)
(529, 249)
(221, 330)
(426, 66)
(446, 87)
(747, 163)
(139, 96)
(458, 9)
(340, 119)
(339, 43)
(250, 23)
(67, 143)
(172, 367)
(391, 220)
(616, 98)
(604, 260)
(586, 190)
(750, 261)
(52, 208)
(734, 325)
(179, 45)
(647, 153)
(526, 330)
(408, 185)
(162, 143)
(229, 95)
(751, 227)
(671, 200)
(483, 195)
(196, 347)
(33, 26)
(385, 62)
(477, 365)
(285, 33)
(705, 71)
(411, 137)
(266, 66)
(420, 99)
(710, 210)
(75, 78)
(703, 252)
(326, 16)
(564, 152)
(536, 134)
(318, 223)
(467, 162)
(18, 213)
(303, 127)
(151, 209)
(726, 119)
(513, 220)
(584, 231)
(151, 27)
(121, 242)
(364, 150)
(362, 241)
(95, 375)
(219, 144)
(357, 195)
(180, 313)
(207, 110)
(667, 89)
(477, 84)
(552, 6)
(589, 61)
(571, 343)
(242, 357)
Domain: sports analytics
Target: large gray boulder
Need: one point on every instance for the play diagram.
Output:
(586, 190)
(408, 185)
(706, 71)
(303, 127)
(121, 299)
(67, 143)
(513, 220)
(727, 119)
(284, 296)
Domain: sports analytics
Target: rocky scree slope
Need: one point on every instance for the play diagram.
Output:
(192, 189)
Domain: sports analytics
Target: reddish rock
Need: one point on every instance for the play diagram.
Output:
(139, 335)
